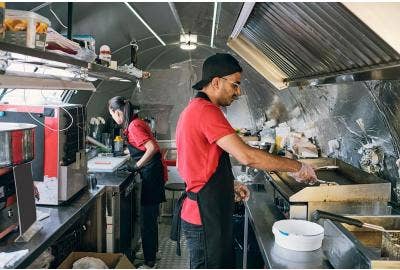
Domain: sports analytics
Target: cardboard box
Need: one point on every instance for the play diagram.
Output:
(112, 260)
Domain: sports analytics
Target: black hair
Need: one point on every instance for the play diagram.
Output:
(124, 105)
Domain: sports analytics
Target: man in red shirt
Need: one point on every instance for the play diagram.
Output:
(204, 138)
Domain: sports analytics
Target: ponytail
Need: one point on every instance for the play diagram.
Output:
(124, 105)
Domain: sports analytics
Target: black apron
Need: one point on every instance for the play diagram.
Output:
(152, 175)
(216, 205)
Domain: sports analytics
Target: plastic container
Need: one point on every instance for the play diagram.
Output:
(298, 235)
(26, 28)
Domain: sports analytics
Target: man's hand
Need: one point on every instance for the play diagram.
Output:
(305, 175)
(242, 193)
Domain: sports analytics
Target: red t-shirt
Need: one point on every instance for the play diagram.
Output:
(200, 125)
(138, 133)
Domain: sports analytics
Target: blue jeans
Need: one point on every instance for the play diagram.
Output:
(194, 235)
(149, 232)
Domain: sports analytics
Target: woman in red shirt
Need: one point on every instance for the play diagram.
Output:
(144, 149)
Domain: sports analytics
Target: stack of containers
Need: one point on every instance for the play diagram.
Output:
(26, 28)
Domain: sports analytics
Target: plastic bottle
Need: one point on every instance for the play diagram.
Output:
(118, 144)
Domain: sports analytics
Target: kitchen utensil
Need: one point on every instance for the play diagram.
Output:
(322, 182)
(329, 167)
(390, 238)
(299, 235)
(16, 143)
(351, 221)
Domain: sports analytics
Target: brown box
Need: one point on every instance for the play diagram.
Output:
(112, 260)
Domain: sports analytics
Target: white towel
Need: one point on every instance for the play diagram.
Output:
(8, 259)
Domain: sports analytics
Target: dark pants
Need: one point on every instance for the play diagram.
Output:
(194, 235)
(149, 232)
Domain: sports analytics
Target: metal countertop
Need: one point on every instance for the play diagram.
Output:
(60, 219)
(114, 179)
(262, 214)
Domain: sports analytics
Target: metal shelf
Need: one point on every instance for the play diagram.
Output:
(93, 69)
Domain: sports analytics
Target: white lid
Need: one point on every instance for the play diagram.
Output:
(22, 14)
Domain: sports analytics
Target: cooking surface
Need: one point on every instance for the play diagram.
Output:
(325, 175)
(353, 184)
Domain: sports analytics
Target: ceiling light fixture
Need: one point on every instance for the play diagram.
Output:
(145, 24)
(188, 41)
(213, 24)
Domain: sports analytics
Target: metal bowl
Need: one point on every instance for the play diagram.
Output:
(16, 143)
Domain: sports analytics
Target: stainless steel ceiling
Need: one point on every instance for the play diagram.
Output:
(307, 40)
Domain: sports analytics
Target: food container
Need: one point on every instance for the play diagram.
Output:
(16, 143)
(298, 235)
(26, 28)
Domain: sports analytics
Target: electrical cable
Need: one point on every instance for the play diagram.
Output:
(44, 125)
(58, 19)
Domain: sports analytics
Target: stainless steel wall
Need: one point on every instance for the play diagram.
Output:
(327, 112)
(331, 111)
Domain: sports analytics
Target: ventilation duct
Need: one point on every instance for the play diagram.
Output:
(316, 43)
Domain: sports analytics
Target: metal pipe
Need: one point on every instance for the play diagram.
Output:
(69, 24)
(176, 16)
(96, 142)
(144, 23)
(40, 6)
(213, 24)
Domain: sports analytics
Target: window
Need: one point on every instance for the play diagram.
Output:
(35, 67)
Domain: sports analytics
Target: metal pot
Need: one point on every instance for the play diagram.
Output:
(16, 143)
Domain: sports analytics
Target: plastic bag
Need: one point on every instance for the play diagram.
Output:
(89, 263)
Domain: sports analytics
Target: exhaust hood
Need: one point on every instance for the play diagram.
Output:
(299, 44)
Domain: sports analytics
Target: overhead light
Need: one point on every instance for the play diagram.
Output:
(213, 24)
(188, 41)
(145, 24)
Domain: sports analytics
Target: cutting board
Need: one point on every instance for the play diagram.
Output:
(106, 164)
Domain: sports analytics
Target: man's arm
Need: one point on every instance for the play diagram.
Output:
(256, 158)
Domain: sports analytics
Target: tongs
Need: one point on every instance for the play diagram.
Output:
(317, 214)
(327, 168)
(322, 182)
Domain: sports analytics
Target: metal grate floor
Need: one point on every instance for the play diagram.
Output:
(167, 249)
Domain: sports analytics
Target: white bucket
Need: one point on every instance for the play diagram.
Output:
(299, 235)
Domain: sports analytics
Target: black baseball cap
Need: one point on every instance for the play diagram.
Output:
(217, 65)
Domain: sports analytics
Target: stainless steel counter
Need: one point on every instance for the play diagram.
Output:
(122, 210)
(261, 213)
(60, 219)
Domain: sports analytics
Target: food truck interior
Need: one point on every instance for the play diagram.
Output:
(320, 85)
